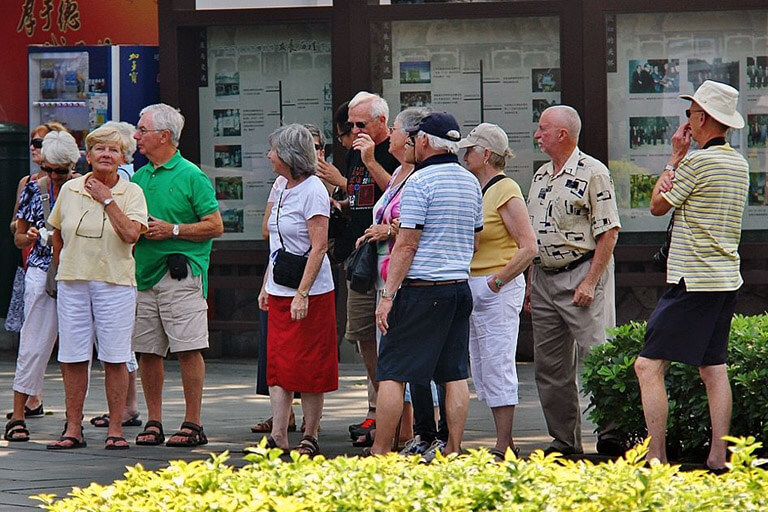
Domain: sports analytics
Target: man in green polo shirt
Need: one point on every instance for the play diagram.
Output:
(708, 189)
(172, 272)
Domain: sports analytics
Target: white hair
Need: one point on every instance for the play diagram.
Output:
(60, 148)
(570, 119)
(165, 117)
(436, 142)
(126, 131)
(411, 116)
(378, 105)
(294, 146)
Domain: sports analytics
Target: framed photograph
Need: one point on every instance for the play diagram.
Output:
(652, 132)
(545, 80)
(654, 76)
(228, 156)
(415, 72)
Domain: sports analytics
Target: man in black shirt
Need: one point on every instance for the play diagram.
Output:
(369, 166)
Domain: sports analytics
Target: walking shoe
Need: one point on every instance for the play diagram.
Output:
(438, 445)
(415, 446)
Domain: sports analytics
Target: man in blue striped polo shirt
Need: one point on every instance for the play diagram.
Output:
(708, 189)
(426, 326)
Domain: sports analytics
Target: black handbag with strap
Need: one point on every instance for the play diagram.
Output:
(287, 268)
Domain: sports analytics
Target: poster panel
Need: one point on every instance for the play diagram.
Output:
(503, 71)
(660, 56)
(259, 77)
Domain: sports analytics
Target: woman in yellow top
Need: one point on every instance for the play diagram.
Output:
(97, 219)
(506, 247)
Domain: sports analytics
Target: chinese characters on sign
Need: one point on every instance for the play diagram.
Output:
(134, 70)
(68, 16)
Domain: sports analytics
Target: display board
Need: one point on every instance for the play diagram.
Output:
(503, 71)
(651, 60)
(258, 78)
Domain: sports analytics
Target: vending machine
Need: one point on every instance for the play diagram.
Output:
(83, 87)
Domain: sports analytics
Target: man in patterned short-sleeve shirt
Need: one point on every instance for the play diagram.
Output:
(573, 210)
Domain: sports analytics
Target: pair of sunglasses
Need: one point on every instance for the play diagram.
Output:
(36, 143)
(57, 170)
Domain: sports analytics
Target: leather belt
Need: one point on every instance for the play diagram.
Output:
(570, 266)
(424, 282)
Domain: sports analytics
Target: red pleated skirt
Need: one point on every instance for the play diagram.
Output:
(302, 355)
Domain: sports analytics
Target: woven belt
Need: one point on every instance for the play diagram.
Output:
(570, 266)
(424, 282)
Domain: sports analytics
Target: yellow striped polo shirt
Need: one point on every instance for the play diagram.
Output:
(709, 192)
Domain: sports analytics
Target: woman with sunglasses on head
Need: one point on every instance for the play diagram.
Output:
(34, 406)
(58, 155)
(97, 220)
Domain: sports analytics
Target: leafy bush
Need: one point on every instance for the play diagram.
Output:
(609, 378)
(395, 484)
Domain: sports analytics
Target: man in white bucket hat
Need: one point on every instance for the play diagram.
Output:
(708, 190)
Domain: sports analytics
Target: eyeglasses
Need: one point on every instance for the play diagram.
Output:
(359, 125)
(57, 170)
(143, 131)
(36, 143)
(89, 229)
(318, 147)
(410, 141)
(688, 112)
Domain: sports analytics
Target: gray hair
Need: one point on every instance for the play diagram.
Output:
(165, 117)
(126, 130)
(411, 116)
(60, 148)
(378, 105)
(294, 146)
(569, 119)
(316, 132)
(438, 143)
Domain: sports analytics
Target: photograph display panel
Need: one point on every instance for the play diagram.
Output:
(660, 56)
(259, 77)
(502, 71)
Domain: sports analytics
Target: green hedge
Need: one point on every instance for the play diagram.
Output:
(609, 378)
(394, 484)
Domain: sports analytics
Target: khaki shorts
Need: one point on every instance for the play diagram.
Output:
(172, 314)
(361, 315)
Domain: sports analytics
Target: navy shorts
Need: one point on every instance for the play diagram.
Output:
(428, 336)
(690, 327)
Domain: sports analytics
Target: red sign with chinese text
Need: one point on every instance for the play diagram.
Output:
(63, 23)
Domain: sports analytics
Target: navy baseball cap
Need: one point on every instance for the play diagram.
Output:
(439, 124)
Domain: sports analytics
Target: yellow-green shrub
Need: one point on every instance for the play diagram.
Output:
(394, 484)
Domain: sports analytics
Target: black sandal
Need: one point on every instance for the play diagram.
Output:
(158, 437)
(16, 427)
(76, 443)
(114, 445)
(308, 446)
(191, 439)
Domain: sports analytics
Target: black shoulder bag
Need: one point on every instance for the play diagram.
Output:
(287, 268)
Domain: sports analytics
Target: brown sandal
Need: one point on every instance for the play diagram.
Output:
(265, 427)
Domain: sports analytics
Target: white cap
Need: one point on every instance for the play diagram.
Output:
(489, 136)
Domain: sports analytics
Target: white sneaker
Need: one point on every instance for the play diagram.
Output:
(437, 445)
(414, 446)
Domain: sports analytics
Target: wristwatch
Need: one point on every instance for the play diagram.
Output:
(107, 202)
(388, 296)
(175, 230)
(304, 293)
(669, 168)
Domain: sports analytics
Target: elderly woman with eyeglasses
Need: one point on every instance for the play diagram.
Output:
(58, 156)
(505, 248)
(97, 219)
(301, 337)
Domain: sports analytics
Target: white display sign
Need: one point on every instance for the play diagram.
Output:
(502, 71)
(659, 57)
(259, 78)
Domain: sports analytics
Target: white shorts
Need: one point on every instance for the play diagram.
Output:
(38, 334)
(493, 329)
(91, 309)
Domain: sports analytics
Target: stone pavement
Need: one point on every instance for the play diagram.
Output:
(230, 408)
